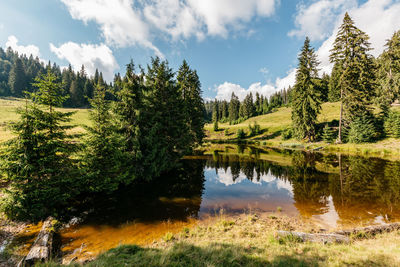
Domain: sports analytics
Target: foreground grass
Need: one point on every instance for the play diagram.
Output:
(274, 124)
(8, 107)
(249, 240)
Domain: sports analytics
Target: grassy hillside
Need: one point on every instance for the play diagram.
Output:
(8, 113)
(274, 123)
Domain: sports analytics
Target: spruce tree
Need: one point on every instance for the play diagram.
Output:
(37, 162)
(234, 106)
(16, 78)
(388, 74)
(193, 105)
(127, 110)
(351, 53)
(164, 135)
(306, 103)
(101, 157)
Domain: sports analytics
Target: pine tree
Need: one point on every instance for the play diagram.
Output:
(350, 52)
(234, 106)
(16, 78)
(306, 97)
(388, 74)
(193, 106)
(37, 162)
(127, 110)
(165, 135)
(101, 158)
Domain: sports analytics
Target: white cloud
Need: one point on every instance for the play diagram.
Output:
(317, 20)
(91, 56)
(378, 18)
(225, 90)
(125, 22)
(120, 24)
(28, 50)
(218, 15)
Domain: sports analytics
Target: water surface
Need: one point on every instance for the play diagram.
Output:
(334, 191)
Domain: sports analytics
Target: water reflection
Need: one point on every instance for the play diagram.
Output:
(333, 190)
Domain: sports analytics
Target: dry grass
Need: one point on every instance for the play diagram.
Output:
(249, 240)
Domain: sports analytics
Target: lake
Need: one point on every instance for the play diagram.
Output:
(333, 191)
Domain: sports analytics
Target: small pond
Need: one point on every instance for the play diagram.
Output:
(334, 191)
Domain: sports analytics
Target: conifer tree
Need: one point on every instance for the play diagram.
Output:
(388, 74)
(193, 106)
(234, 106)
(306, 103)
(101, 158)
(37, 162)
(351, 53)
(165, 135)
(16, 79)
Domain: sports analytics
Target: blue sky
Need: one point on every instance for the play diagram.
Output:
(235, 45)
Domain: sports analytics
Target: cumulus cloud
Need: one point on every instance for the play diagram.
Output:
(225, 90)
(317, 20)
(385, 22)
(28, 50)
(91, 56)
(120, 23)
(125, 22)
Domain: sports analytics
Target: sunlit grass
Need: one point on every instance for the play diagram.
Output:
(8, 107)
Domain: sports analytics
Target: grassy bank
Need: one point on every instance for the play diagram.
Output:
(274, 124)
(249, 240)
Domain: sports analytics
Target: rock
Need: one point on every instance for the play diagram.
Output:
(320, 238)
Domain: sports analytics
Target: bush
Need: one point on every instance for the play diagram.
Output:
(287, 134)
(392, 124)
(241, 134)
(361, 130)
(328, 134)
(254, 130)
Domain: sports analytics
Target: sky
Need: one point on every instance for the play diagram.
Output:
(238, 46)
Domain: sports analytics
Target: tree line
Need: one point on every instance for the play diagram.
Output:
(236, 111)
(17, 74)
(155, 119)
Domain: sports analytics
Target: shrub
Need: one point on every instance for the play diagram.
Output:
(361, 130)
(328, 134)
(392, 124)
(287, 134)
(254, 130)
(241, 134)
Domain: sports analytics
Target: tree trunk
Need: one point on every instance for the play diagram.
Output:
(42, 247)
(339, 141)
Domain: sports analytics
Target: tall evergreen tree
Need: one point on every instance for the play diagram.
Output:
(101, 158)
(306, 96)
(388, 74)
(165, 135)
(193, 104)
(16, 79)
(351, 52)
(38, 161)
(234, 106)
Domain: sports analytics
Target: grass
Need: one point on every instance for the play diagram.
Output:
(273, 124)
(249, 240)
(8, 114)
